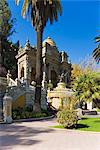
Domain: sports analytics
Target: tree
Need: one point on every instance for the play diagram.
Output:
(87, 86)
(40, 12)
(6, 24)
(76, 71)
(88, 64)
(96, 51)
(10, 62)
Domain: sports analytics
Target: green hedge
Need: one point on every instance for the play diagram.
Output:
(23, 113)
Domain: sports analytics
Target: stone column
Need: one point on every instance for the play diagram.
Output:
(63, 56)
(19, 69)
(27, 74)
(44, 82)
(44, 99)
(7, 108)
(49, 73)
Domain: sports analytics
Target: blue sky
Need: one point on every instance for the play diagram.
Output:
(74, 32)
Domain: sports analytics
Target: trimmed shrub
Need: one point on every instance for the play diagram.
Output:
(39, 115)
(23, 113)
(67, 118)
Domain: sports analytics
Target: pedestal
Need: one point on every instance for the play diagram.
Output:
(3, 85)
(7, 109)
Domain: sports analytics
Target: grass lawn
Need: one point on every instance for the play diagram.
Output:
(89, 124)
(86, 124)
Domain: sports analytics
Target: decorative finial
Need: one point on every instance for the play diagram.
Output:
(27, 41)
(20, 46)
(48, 37)
(27, 45)
(20, 49)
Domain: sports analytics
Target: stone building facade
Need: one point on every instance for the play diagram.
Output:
(54, 63)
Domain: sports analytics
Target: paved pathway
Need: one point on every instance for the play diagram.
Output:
(93, 116)
(38, 135)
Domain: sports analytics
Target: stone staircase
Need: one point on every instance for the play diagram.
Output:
(11, 82)
(15, 89)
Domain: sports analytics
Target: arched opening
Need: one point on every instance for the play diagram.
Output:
(54, 78)
(22, 72)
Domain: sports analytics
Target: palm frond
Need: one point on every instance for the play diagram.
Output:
(97, 39)
(40, 11)
(25, 7)
(96, 53)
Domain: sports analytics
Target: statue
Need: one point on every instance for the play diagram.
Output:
(8, 76)
(62, 77)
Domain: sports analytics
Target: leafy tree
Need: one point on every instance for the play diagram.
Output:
(96, 51)
(76, 71)
(69, 103)
(88, 64)
(40, 12)
(6, 24)
(87, 86)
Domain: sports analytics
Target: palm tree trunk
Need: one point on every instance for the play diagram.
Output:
(37, 102)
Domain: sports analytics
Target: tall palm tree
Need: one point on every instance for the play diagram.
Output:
(96, 51)
(40, 12)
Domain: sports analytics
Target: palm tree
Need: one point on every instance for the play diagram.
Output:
(86, 87)
(96, 52)
(40, 12)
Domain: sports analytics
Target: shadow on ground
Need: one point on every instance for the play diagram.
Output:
(79, 126)
(14, 134)
(84, 118)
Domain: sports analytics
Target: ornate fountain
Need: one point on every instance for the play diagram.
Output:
(58, 94)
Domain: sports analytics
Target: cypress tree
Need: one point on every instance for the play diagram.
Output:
(7, 48)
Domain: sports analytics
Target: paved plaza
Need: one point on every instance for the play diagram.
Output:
(38, 135)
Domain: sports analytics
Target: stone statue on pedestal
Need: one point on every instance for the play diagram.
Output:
(62, 77)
